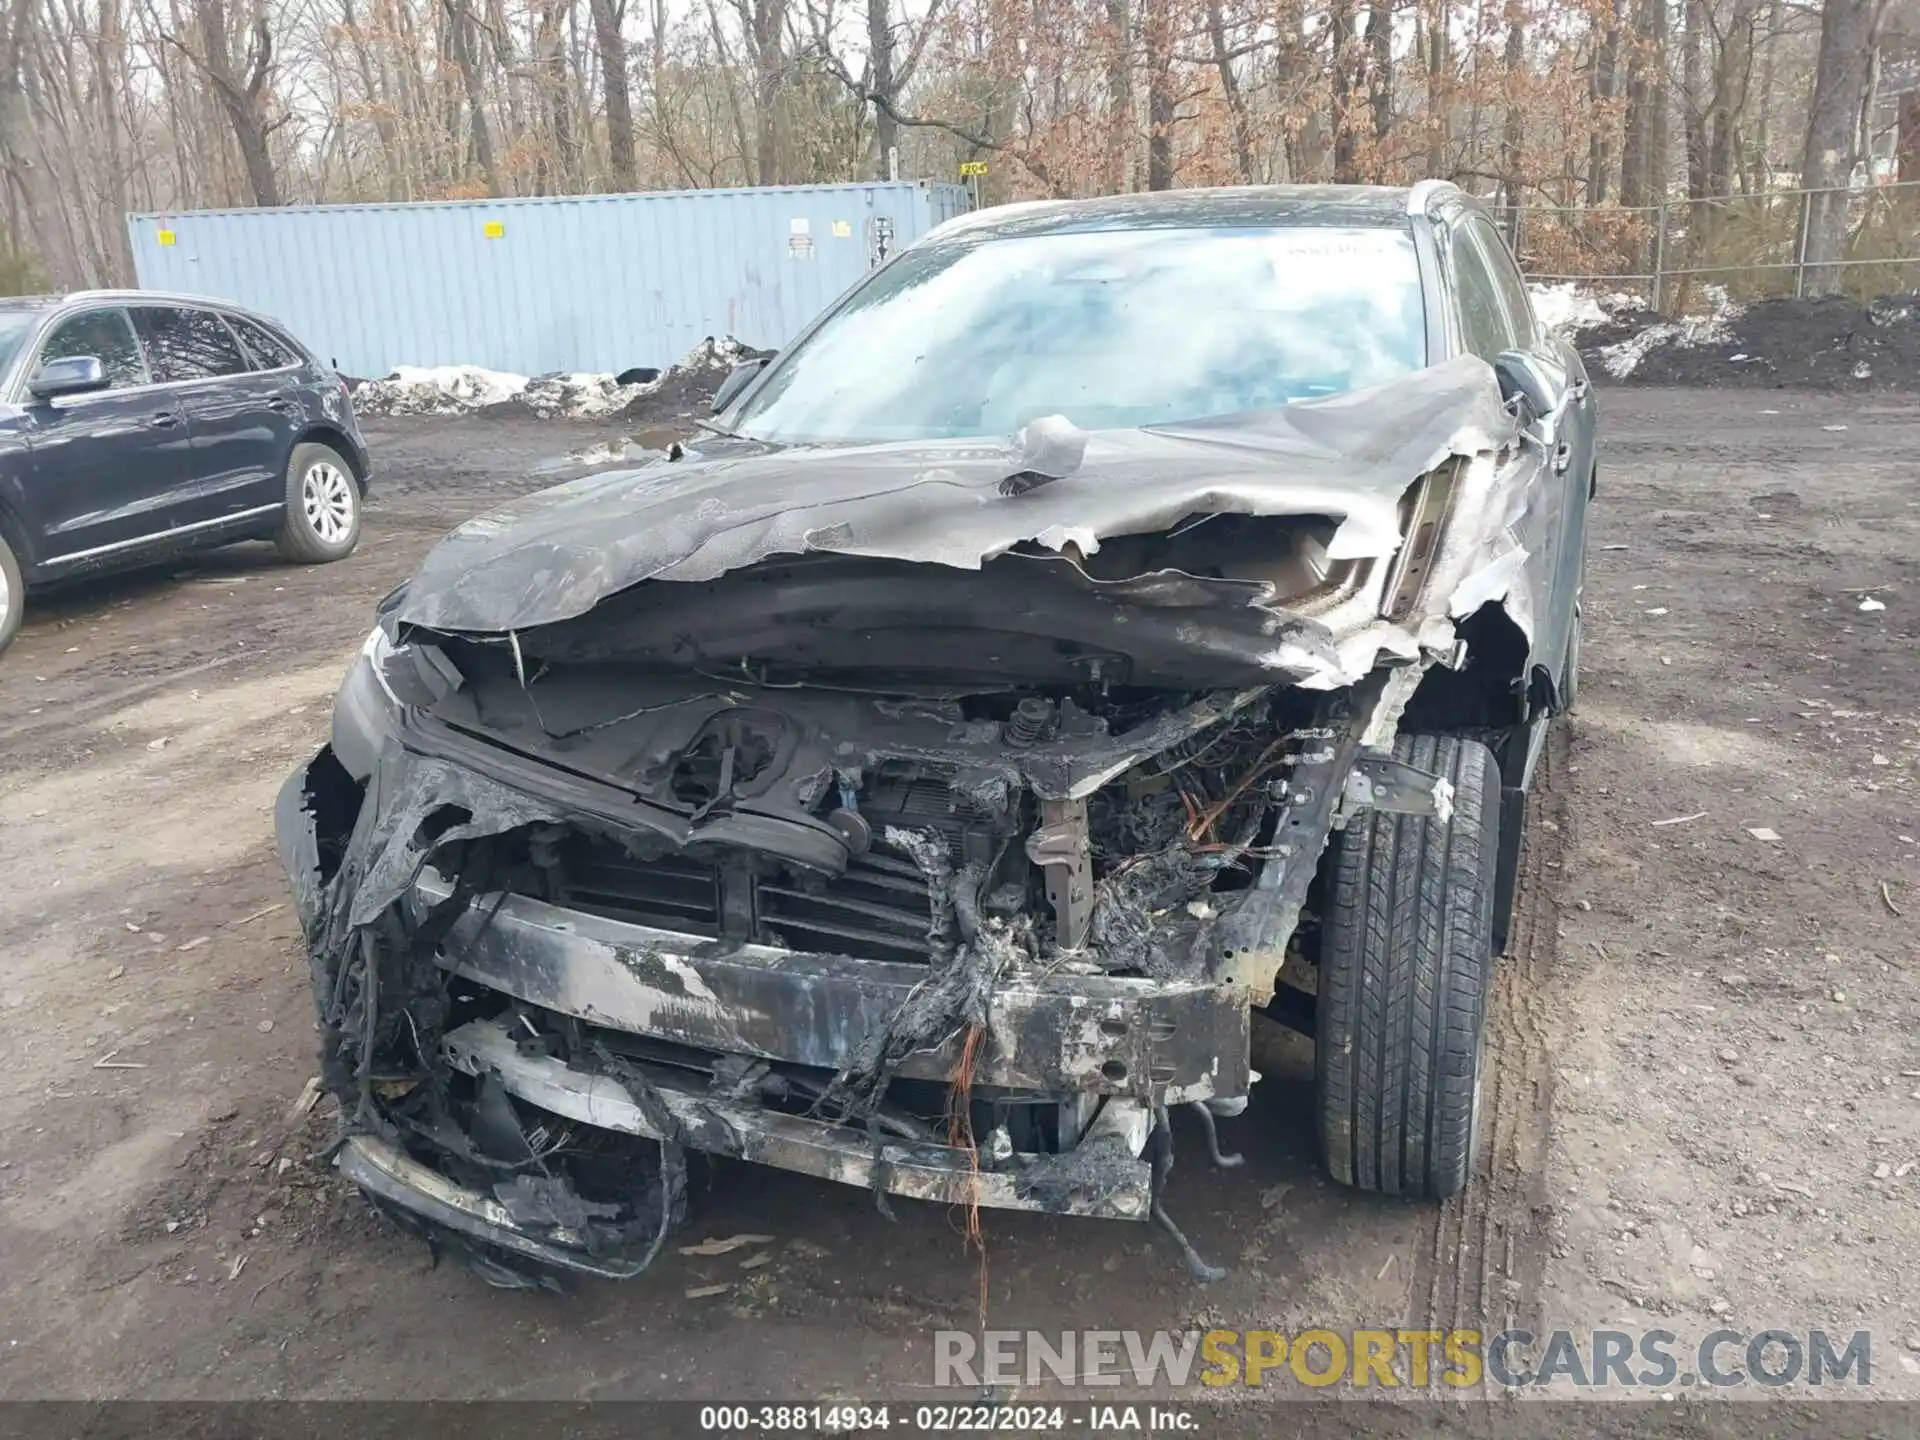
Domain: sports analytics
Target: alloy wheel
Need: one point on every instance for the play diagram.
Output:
(327, 497)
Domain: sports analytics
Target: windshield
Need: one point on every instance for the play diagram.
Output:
(15, 325)
(1108, 328)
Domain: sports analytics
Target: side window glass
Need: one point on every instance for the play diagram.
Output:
(1483, 318)
(268, 350)
(108, 336)
(1506, 279)
(189, 344)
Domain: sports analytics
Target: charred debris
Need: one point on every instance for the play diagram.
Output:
(864, 820)
(966, 865)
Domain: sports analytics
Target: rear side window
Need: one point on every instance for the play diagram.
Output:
(189, 344)
(268, 350)
(105, 334)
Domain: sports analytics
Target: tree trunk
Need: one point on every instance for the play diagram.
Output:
(1160, 101)
(1849, 33)
(613, 75)
(1230, 90)
(1603, 86)
(766, 35)
(109, 50)
(1693, 89)
(1439, 93)
(559, 99)
(243, 100)
(1633, 139)
(1660, 107)
(881, 83)
(460, 21)
(1380, 76)
(1729, 100)
(1346, 143)
(1513, 134)
(20, 157)
(1120, 135)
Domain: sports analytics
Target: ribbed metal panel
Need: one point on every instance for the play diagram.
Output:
(591, 282)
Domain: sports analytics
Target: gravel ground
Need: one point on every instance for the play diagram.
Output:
(1704, 1108)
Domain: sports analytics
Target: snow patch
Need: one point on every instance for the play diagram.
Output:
(437, 390)
(1566, 308)
(1622, 359)
(464, 389)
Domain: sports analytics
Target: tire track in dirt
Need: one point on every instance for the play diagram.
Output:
(1484, 1255)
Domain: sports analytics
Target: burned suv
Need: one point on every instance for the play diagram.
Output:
(920, 780)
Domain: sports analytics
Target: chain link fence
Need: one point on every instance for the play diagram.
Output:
(1753, 245)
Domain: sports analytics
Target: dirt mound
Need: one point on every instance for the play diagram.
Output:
(1823, 344)
(685, 390)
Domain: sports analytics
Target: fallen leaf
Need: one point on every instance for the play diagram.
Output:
(704, 1292)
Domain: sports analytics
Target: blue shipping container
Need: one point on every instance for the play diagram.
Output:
(578, 283)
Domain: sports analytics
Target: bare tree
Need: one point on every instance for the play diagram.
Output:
(607, 18)
(242, 92)
(1836, 123)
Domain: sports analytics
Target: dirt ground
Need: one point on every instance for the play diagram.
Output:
(1706, 1043)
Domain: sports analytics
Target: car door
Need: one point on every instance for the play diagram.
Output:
(1488, 329)
(238, 412)
(107, 467)
(1568, 434)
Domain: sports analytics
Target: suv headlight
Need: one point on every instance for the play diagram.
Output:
(366, 712)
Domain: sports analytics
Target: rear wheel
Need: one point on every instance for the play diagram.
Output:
(13, 595)
(322, 520)
(1406, 956)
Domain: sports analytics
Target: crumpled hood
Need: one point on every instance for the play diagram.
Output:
(957, 503)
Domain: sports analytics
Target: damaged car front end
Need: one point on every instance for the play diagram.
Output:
(926, 815)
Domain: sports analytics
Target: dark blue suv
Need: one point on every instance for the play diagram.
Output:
(134, 425)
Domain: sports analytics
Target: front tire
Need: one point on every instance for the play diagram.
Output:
(13, 595)
(322, 520)
(1406, 957)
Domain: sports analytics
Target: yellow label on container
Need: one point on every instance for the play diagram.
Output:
(494, 229)
(167, 237)
(842, 229)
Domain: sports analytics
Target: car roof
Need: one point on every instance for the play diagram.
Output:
(1348, 206)
(122, 297)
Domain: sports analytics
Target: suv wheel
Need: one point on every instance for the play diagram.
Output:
(13, 595)
(322, 521)
(1406, 957)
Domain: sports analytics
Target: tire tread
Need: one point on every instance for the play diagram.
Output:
(1406, 951)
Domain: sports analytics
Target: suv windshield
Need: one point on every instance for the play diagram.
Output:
(1108, 328)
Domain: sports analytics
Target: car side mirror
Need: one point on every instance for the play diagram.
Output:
(735, 382)
(69, 375)
(1520, 378)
